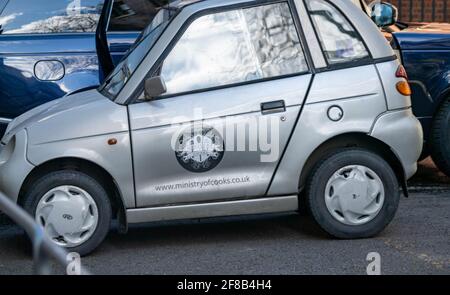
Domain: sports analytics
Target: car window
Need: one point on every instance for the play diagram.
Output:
(233, 47)
(114, 83)
(339, 40)
(133, 15)
(50, 16)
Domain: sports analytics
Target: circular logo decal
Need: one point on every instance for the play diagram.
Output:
(199, 149)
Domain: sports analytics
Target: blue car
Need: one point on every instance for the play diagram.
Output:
(49, 48)
(424, 50)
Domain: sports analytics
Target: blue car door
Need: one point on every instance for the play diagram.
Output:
(47, 49)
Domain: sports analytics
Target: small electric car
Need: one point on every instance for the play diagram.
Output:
(225, 108)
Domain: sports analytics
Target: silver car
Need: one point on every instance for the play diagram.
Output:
(225, 108)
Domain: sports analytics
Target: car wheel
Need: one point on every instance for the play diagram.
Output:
(353, 193)
(73, 208)
(440, 138)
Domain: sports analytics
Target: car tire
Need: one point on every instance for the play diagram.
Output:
(328, 170)
(84, 183)
(440, 138)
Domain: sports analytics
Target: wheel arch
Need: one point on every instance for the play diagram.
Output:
(441, 100)
(355, 139)
(82, 165)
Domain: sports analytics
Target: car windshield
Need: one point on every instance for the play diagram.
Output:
(114, 83)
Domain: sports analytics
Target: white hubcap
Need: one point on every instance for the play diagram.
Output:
(68, 214)
(354, 195)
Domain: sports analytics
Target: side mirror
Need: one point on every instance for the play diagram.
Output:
(384, 14)
(154, 87)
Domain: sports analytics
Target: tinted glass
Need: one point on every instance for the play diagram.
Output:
(50, 16)
(233, 47)
(133, 15)
(340, 41)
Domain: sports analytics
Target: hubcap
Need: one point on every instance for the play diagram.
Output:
(354, 195)
(68, 214)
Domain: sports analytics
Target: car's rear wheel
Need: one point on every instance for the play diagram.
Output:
(353, 193)
(440, 138)
(73, 208)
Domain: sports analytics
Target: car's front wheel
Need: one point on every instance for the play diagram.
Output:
(73, 208)
(353, 193)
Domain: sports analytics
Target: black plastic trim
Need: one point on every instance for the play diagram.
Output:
(357, 63)
(271, 107)
(104, 55)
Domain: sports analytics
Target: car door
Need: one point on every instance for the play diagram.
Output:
(236, 79)
(47, 49)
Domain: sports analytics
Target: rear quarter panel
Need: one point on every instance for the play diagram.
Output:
(357, 91)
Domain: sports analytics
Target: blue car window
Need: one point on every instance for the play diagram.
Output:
(133, 15)
(2, 4)
(50, 16)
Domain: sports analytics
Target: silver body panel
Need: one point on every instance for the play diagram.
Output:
(153, 125)
(402, 131)
(79, 126)
(14, 166)
(362, 103)
(5, 120)
(310, 35)
(387, 76)
(78, 116)
(204, 210)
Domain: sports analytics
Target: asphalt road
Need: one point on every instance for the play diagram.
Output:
(416, 242)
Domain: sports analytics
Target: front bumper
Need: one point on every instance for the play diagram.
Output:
(402, 131)
(14, 166)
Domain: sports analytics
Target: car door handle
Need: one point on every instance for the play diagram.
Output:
(273, 107)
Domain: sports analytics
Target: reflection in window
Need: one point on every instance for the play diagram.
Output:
(50, 16)
(340, 41)
(2, 5)
(133, 15)
(233, 47)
